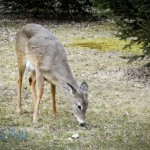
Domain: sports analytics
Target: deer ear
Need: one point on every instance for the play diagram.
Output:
(72, 89)
(84, 87)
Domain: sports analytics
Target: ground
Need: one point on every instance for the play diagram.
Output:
(118, 117)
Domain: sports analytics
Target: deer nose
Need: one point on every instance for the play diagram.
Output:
(82, 124)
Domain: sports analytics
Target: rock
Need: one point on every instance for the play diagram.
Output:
(138, 85)
(75, 136)
(70, 139)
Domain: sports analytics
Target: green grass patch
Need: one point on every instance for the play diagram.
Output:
(105, 44)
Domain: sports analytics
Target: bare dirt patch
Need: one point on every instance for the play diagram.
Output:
(139, 74)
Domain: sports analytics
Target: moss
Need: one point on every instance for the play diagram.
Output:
(105, 44)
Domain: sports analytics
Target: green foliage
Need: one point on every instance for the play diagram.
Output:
(47, 8)
(133, 21)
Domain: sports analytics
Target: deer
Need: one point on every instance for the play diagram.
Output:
(41, 53)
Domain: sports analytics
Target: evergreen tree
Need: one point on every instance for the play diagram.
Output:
(133, 21)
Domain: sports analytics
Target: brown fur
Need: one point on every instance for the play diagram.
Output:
(44, 56)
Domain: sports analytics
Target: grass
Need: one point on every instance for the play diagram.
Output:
(105, 44)
(118, 114)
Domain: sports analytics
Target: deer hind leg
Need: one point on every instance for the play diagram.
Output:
(21, 68)
(53, 91)
(39, 86)
(32, 81)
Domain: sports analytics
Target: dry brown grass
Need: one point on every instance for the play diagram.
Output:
(118, 116)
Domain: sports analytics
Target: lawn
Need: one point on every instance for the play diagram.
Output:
(118, 117)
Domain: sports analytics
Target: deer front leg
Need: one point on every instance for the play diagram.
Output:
(39, 85)
(53, 91)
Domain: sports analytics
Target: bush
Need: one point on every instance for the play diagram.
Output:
(47, 8)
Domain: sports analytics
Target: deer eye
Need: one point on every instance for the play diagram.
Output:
(79, 107)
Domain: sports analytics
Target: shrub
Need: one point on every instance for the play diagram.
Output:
(47, 8)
